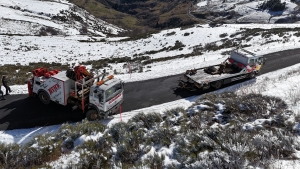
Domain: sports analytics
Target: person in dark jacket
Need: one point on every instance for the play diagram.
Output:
(1, 92)
(4, 82)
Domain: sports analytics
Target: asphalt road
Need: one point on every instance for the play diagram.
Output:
(20, 111)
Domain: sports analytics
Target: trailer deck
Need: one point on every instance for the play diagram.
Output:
(203, 77)
(241, 64)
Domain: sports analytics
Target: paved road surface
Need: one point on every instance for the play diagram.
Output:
(20, 111)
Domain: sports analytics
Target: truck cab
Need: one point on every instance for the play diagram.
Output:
(244, 58)
(106, 99)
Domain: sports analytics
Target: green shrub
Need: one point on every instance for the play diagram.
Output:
(170, 34)
(186, 34)
(160, 136)
(84, 128)
(96, 154)
(223, 35)
(117, 131)
(154, 161)
(131, 148)
(146, 120)
(273, 5)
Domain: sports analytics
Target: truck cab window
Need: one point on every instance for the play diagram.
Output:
(100, 97)
(113, 91)
(251, 62)
(97, 93)
(260, 60)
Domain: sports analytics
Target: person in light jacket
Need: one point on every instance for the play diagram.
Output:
(1, 92)
(4, 82)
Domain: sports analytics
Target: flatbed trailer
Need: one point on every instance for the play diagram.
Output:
(241, 64)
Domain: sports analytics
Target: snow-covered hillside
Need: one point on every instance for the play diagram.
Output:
(272, 84)
(55, 17)
(25, 49)
(247, 11)
(20, 19)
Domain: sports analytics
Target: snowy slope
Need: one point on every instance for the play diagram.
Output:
(248, 10)
(70, 50)
(28, 17)
(276, 85)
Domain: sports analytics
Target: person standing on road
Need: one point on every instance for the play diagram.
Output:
(1, 92)
(4, 82)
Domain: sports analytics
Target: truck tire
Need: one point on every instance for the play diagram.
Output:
(44, 97)
(251, 75)
(217, 84)
(92, 115)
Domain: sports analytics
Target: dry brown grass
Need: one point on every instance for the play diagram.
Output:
(140, 15)
(19, 74)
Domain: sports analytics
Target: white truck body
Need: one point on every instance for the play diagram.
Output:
(87, 94)
(57, 86)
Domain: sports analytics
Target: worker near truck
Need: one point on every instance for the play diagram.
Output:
(1, 92)
(4, 82)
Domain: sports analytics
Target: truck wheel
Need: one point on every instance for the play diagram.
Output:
(217, 84)
(44, 97)
(251, 75)
(92, 115)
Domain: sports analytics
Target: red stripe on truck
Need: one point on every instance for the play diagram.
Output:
(53, 88)
(115, 98)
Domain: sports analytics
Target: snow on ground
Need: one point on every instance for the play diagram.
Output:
(248, 9)
(276, 85)
(70, 50)
(29, 16)
(49, 7)
(26, 49)
(37, 13)
(271, 84)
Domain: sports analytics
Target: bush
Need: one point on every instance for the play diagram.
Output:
(48, 30)
(117, 131)
(223, 35)
(98, 153)
(42, 149)
(146, 120)
(24, 72)
(273, 5)
(245, 108)
(160, 136)
(130, 148)
(178, 45)
(186, 34)
(191, 140)
(174, 117)
(170, 34)
(74, 131)
(154, 161)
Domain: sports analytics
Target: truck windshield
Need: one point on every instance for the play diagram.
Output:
(113, 91)
(260, 60)
(97, 93)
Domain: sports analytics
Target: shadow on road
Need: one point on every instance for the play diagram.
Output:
(225, 88)
(27, 112)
